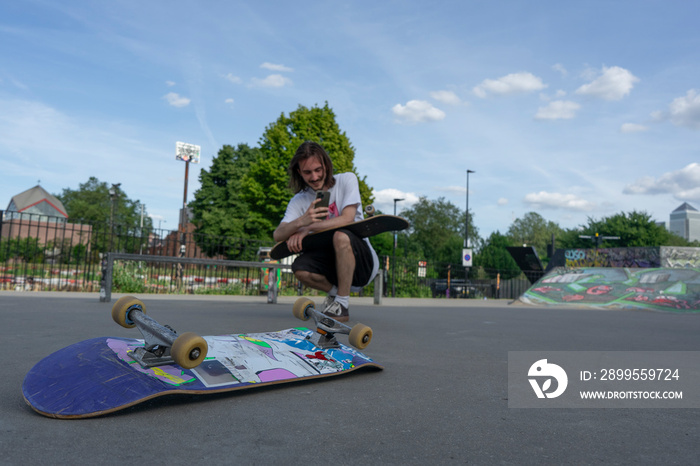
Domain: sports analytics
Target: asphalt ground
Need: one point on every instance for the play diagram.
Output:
(442, 398)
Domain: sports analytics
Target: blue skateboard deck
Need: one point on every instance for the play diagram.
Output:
(98, 376)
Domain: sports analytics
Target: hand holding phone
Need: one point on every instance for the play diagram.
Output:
(320, 206)
(325, 197)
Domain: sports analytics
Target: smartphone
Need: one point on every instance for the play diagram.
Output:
(325, 197)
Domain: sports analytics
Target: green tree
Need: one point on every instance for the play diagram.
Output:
(92, 203)
(383, 243)
(494, 258)
(533, 230)
(24, 249)
(220, 213)
(635, 229)
(436, 231)
(264, 186)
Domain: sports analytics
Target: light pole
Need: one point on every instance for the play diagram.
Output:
(466, 231)
(188, 153)
(466, 216)
(393, 259)
(113, 194)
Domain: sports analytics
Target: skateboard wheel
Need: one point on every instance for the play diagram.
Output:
(189, 350)
(369, 210)
(120, 310)
(360, 336)
(300, 307)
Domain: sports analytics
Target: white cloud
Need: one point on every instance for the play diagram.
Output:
(645, 185)
(685, 111)
(613, 84)
(418, 111)
(560, 94)
(170, 83)
(233, 78)
(275, 67)
(446, 97)
(229, 101)
(511, 84)
(384, 200)
(273, 80)
(558, 110)
(546, 200)
(560, 68)
(176, 100)
(633, 128)
(502, 201)
(452, 189)
(38, 136)
(683, 184)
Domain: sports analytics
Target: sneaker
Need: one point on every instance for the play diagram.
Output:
(328, 301)
(337, 311)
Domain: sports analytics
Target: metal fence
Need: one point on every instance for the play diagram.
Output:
(148, 273)
(38, 252)
(410, 277)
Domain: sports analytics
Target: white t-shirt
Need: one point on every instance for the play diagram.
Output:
(346, 192)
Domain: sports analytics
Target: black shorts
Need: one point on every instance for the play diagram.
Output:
(322, 262)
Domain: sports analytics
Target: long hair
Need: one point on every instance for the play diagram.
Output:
(304, 151)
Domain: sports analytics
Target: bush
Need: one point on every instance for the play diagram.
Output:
(128, 278)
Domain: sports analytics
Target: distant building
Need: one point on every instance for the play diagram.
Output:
(39, 215)
(685, 222)
(36, 202)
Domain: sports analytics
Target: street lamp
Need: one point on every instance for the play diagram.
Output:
(113, 194)
(393, 260)
(466, 216)
(188, 153)
(466, 232)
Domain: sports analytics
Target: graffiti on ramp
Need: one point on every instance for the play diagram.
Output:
(668, 289)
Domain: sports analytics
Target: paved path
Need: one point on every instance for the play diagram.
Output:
(442, 398)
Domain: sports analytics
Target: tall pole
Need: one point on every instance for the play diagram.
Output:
(393, 260)
(113, 195)
(183, 213)
(466, 229)
(186, 153)
(466, 216)
(143, 210)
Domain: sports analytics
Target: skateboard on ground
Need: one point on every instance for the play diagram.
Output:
(370, 226)
(103, 375)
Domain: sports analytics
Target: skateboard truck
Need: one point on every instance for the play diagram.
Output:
(163, 345)
(359, 335)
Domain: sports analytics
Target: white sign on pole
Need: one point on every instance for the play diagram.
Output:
(187, 152)
(466, 257)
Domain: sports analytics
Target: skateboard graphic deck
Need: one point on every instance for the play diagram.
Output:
(103, 375)
(364, 228)
(97, 376)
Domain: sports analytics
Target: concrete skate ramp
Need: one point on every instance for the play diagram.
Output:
(665, 289)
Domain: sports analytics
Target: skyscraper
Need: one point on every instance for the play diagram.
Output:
(685, 222)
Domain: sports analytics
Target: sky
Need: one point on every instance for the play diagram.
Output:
(572, 110)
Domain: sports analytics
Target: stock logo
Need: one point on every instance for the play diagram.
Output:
(542, 373)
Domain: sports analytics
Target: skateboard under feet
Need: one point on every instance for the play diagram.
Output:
(359, 335)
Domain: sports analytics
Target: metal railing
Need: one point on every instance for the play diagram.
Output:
(224, 273)
(40, 252)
